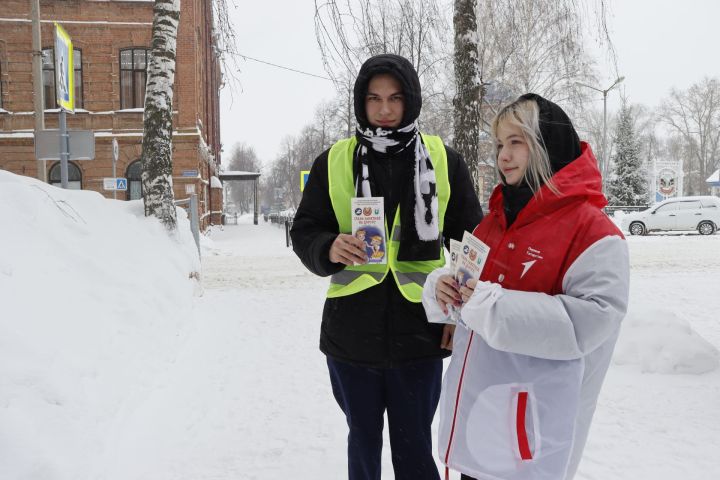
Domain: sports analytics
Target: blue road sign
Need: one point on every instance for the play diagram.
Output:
(121, 184)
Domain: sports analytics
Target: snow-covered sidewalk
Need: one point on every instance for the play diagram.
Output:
(110, 368)
(254, 399)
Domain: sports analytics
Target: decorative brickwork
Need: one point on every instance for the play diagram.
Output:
(101, 29)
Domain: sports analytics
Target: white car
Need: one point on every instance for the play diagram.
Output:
(680, 213)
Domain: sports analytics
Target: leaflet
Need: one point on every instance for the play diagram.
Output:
(368, 225)
(472, 259)
(455, 253)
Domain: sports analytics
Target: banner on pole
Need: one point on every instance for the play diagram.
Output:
(64, 71)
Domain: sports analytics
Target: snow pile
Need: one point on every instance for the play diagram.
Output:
(661, 341)
(94, 300)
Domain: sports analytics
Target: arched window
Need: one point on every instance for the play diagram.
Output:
(134, 179)
(48, 64)
(74, 176)
(133, 74)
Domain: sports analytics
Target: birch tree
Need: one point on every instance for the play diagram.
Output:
(468, 86)
(694, 114)
(518, 46)
(349, 32)
(157, 119)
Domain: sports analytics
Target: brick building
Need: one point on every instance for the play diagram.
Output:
(111, 41)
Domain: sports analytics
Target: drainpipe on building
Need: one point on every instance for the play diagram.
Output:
(39, 104)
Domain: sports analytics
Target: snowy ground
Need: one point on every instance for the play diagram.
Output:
(133, 378)
(648, 425)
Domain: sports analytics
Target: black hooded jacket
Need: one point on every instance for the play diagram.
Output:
(378, 327)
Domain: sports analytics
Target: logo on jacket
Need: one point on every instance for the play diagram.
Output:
(526, 267)
(532, 253)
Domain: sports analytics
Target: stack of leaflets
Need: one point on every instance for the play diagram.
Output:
(368, 225)
(467, 259)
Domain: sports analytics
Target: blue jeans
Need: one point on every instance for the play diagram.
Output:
(410, 394)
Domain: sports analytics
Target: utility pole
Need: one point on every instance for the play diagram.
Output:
(39, 104)
(605, 166)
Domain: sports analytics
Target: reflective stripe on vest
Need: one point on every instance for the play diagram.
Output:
(409, 276)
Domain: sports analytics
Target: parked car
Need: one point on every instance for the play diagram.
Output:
(680, 213)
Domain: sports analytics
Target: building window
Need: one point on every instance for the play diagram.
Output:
(134, 179)
(74, 176)
(48, 64)
(133, 75)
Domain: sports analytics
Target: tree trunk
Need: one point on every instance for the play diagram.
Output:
(157, 134)
(468, 87)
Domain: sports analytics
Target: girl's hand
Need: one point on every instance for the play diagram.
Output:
(446, 292)
(468, 289)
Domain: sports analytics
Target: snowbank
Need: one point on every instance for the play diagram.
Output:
(661, 341)
(94, 299)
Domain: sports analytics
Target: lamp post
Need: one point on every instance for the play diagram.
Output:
(606, 160)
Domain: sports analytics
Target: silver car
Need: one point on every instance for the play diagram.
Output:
(680, 213)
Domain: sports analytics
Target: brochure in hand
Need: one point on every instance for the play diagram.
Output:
(455, 252)
(368, 225)
(472, 259)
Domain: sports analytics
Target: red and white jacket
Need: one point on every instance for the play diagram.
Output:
(535, 340)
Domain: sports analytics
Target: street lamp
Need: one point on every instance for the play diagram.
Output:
(606, 160)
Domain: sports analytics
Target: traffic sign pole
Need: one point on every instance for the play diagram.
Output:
(115, 158)
(64, 150)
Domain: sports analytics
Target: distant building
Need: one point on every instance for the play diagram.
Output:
(111, 41)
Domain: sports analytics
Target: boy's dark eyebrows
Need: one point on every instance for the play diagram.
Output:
(394, 94)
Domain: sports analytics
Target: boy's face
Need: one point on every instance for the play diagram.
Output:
(384, 102)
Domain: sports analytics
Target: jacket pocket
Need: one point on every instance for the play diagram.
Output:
(502, 428)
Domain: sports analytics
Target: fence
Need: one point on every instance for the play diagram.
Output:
(610, 210)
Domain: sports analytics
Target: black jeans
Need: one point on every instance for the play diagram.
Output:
(410, 394)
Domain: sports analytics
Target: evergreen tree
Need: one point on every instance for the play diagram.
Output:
(628, 184)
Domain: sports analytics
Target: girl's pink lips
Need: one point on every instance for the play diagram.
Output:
(506, 170)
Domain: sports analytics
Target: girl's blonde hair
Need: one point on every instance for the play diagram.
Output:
(525, 115)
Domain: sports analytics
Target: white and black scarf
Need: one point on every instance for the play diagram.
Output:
(425, 206)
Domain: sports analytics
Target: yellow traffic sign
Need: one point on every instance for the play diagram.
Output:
(64, 70)
(304, 174)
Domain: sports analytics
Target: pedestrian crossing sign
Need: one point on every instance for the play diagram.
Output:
(64, 70)
(114, 184)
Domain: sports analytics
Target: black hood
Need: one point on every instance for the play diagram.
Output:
(557, 131)
(400, 68)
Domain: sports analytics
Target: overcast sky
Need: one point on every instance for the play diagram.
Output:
(660, 44)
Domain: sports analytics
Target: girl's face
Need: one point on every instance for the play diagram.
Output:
(513, 153)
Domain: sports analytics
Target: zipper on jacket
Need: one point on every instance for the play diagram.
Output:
(457, 403)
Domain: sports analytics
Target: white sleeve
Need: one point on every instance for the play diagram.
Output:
(558, 327)
(432, 308)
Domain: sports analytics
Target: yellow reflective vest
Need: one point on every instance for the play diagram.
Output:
(409, 276)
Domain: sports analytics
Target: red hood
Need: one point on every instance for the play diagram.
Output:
(579, 181)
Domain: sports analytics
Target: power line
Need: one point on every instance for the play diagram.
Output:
(283, 67)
